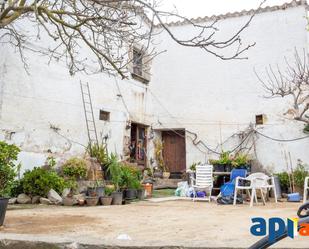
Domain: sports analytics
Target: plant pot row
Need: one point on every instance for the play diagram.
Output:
(116, 198)
(229, 167)
(130, 194)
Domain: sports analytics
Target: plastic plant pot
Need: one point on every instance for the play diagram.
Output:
(117, 198)
(3, 206)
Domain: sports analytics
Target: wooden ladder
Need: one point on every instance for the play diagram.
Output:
(88, 110)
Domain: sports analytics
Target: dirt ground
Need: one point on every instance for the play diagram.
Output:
(174, 223)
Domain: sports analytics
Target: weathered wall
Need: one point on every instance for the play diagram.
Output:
(48, 95)
(216, 98)
(189, 89)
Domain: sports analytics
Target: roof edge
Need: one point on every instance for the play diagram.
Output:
(292, 4)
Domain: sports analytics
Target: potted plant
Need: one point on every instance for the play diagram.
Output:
(8, 171)
(223, 164)
(241, 161)
(92, 200)
(99, 153)
(140, 191)
(115, 171)
(127, 183)
(68, 200)
(107, 199)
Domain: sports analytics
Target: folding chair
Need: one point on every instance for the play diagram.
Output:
(258, 181)
(203, 180)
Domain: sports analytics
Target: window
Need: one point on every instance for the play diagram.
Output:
(137, 62)
(260, 119)
(105, 116)
(140, 65)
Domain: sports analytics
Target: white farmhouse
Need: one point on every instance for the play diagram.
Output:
(192, 101)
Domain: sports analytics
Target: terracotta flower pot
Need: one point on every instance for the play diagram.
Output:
(106, 200)
(92, 201)
(68, 201)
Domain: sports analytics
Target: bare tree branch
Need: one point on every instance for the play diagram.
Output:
(107, 29)
(293, 81)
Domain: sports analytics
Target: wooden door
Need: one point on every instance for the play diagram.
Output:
(174, 150)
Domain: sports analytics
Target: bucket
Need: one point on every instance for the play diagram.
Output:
(3, 205)
(148, 189)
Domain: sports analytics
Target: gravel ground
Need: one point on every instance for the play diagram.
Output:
(146, 224)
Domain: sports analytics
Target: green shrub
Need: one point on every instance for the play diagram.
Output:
(115, 171)
(99, 151)
(39, 181)
(300, 173)
(16, 188)
(75, 168)
(130, 177)
(8, 167)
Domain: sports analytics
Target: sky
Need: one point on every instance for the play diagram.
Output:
(200, 8)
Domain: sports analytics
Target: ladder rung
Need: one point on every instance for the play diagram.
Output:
(90, 121)
(85, 93)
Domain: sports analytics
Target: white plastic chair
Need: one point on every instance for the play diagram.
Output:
(203, 180)
(306, 188)
(258, 181)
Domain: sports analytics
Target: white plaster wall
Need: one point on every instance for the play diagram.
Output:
(216, 98)
(203, 94)
(49, 95)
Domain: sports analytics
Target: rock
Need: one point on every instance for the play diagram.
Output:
(12, 201)
(65, 192)
(79, 197)
(35, 199)
(23, 199)
(45, 201)
(74, 245)
(54, 197)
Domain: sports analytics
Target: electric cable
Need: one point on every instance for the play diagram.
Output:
(281, 140)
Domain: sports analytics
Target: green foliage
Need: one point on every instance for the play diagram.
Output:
(284, 180)
(193, 166)
(130, 177)
(39, 181)
(306, 129)
(114, 168)
(108, 191)
(75, 168)
(99, 151)
(16, 188)
(8, 168)
(300, 173)
(240, 160)
(225, 158)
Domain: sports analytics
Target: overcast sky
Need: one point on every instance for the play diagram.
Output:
(196, 8)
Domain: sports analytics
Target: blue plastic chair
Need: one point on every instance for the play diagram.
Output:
(228, 188)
